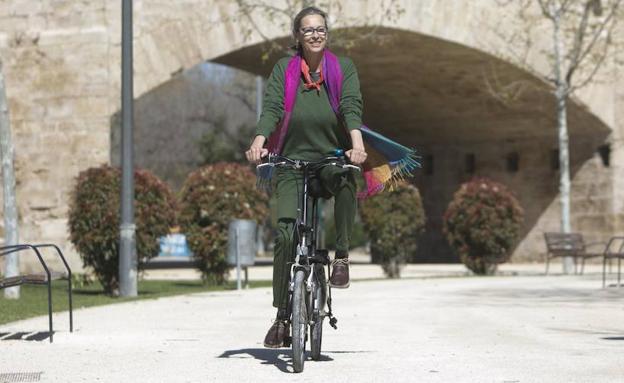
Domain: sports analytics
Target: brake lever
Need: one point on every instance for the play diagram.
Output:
(271, 164)
(352, 167)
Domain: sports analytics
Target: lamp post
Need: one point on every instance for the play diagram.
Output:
(127, 228)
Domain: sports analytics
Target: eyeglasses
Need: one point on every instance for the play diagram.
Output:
(307, 32)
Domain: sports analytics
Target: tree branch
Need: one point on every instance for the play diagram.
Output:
(601, 58)
(248, 8)
(244, 8)
(545, 5)
(288, 11)
(612, 11)
(566, 4)
(507, 93)
(579, 36)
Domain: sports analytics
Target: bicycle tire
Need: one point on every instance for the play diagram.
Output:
(299, 321)
(317, 304)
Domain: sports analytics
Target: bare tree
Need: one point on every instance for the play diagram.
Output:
(249, 12)
(8, 187)
(582, 36)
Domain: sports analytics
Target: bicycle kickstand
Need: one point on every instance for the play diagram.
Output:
(332, 319)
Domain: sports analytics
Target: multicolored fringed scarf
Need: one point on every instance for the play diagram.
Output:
(387, 163)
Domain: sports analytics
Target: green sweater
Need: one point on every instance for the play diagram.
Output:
(314, 131)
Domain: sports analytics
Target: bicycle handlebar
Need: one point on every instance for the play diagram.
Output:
(282, 161)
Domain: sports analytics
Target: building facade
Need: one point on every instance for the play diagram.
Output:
(426, 77)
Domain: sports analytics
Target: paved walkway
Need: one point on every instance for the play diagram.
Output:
(525, 328)
(363, 270)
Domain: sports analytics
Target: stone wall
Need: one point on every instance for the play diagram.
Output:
(62, 66)
(535, 183)
(56, 62)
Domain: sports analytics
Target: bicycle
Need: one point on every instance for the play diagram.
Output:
(309, 291)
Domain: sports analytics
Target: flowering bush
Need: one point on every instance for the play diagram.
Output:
(482, 223)
(94, 217)
(211, 197)
(393, 220)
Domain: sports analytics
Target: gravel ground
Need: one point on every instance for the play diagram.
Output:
(461, 329)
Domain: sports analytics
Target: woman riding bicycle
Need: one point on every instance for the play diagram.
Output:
(311, 128)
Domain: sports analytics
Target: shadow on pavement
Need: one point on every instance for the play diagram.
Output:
(607, 334)
(25, 335)
(280, 358)
(529, 297)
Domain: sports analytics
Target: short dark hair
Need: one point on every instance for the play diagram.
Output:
(303, 13)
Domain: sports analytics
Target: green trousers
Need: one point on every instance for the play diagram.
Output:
(340, 183)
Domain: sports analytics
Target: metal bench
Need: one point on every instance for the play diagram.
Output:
(44, 278)
(613, 250)
(569, 245)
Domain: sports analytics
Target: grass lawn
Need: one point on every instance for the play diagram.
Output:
(34, 299)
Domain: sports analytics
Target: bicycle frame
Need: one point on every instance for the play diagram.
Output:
(306, 231)
(304, 250)
(308, 286)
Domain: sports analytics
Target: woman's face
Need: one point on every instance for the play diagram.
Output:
(312, 34)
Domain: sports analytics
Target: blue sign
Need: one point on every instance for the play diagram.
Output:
(174, 245)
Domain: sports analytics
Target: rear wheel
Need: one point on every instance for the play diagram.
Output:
(299, 321)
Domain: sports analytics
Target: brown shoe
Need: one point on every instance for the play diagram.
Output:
(275, 337)
(340, 273)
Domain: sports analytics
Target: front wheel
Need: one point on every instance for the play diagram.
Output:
(299, 320)
(318, 304)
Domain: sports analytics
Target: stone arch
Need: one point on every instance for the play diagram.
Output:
(62, 62)
(430, 93)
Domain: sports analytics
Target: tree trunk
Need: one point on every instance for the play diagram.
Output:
(561, 94)
(564, 176)
(8, 188)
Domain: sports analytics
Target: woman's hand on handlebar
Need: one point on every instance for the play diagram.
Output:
(255, 155)
(256, 151)
(356, 156)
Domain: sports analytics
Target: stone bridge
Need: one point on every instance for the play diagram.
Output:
(423, 79)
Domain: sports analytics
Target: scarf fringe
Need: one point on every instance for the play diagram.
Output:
(399, 172)
(264, 176)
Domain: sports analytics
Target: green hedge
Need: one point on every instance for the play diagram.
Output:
(394, 221)
(482, 224)
(94, 218)
(211, 197)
